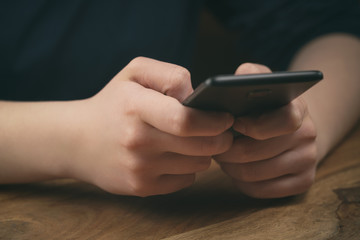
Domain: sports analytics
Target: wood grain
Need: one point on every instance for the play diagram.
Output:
(211, 209)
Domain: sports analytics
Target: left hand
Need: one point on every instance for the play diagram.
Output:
(276, 156)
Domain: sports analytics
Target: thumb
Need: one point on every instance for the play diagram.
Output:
(251, 68)
(167, 78)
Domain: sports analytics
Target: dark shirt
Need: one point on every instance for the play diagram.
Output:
(70, 49)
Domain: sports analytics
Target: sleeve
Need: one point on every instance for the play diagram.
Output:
(271, 32)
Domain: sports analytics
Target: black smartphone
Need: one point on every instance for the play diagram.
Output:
(251, 93)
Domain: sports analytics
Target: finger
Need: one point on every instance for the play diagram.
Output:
(140, 139)
(251, 68)
(172, 163)
(196, 146)
(164, 184)
(171, 183)
(284, 186)
(281, 121)
(166, 78)
(170, 116)
(246, 149)
(290, 162)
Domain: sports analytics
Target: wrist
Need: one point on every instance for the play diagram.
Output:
(38, 140)
(70, 138)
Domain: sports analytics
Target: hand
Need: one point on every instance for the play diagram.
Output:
(276, 156)
(137, 137)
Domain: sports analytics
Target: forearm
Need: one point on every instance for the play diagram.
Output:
(334, 104)
(36, 140)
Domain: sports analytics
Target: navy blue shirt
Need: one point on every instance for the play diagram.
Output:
(70, 49)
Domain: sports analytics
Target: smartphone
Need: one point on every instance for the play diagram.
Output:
(252, 93)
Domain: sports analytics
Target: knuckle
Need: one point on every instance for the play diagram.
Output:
(133, 138)
(135, 70)
(178, 78)
(130, 107)
(180, 123)
(180, 74)
(249, 68)
(310, 158)
(307, 161)
(294, 121)
(137, 166)
(296, 114)
(308, 130)
(139, 187)
(136, 62)
(307, 181)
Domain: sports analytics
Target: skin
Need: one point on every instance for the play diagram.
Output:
(123, 143)
(148, 145)
(280, 150)
(277, 154)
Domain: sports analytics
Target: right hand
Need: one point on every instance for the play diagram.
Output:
(138, 139)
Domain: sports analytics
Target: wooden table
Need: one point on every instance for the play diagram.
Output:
(211, 209)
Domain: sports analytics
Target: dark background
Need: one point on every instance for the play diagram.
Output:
(215, 51)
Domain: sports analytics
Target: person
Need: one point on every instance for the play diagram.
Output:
(68, 112)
